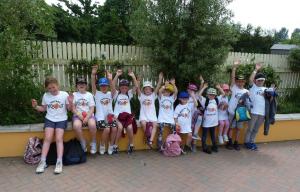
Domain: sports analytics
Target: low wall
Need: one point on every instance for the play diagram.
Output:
(13, 139)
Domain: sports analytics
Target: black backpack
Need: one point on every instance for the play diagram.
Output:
(52, 155)
(73, 153)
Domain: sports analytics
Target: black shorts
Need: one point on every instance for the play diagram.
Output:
(103, 124)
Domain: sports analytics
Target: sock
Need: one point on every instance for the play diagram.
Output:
(59, 160)
(131, 144)
(43, 158)
(83, 144)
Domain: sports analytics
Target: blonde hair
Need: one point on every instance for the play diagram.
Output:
(50, 80)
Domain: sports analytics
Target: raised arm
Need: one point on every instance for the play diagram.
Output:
(114, 82)
(233, 72)
(258, 66)
(220, 89)
(201, 82)
(194, 99)
(93, 78)
(172, 81)
(205, 85)
(135, 82)
(160, 78)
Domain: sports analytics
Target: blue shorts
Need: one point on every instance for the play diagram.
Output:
(54, 125)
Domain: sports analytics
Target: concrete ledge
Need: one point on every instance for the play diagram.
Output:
(40, 126)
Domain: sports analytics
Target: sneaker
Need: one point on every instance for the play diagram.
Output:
(214, 148)
(187, 148)
(229, 145)
(93, 148)
(130, 149)
(58, 167)
(196, 137)
(193, 147)
(101, 149)
(41, 167)
(254, 147)
(110, 149)
(221, 142)
(236, 146)
(225, 138)
(207, 150)
(149, 143)
(115, 149)
(248, 145)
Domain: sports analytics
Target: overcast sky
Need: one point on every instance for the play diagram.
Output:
(269, 14)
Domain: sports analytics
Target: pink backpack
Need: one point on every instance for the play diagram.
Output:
(172, 145)
(33, 151)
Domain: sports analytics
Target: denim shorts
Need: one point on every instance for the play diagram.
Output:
(54, 125)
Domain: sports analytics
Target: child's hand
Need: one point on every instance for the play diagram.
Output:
(205, 85)
(172, 81)
(94, 69)
(34, 103)
(167, 82)
(201, 78)
(160, 76)
(85, 120)
(109, 75)
(236, 63)
(218, 86)
(71, 98)
(258, 66)
(119, 72)
(131, 74)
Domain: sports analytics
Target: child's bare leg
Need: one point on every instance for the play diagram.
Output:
(154, 128)
(77, 127)
(130, 134)
(59, 134)
(119, 132)
(48, 137)
(189, 139)
(92, 129)
(113, 134)
(143, 124)
(104, 136)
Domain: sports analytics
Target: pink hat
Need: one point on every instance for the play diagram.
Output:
(193, 87)
(225, 87)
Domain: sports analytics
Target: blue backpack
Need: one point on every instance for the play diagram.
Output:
(242, 113)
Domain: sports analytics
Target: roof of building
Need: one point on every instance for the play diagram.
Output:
(284, 46)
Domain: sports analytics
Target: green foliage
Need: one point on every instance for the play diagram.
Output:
(19, 21)
(291, 103)
(294, 59)
(247, 68)
(186, 38)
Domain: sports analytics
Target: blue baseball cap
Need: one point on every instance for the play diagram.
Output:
(183, 95)
(103, 81)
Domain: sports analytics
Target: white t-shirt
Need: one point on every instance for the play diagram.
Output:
(103, 105)
(56, 106)
(184, 115)
(222, 114)
(83, 102)
(122, 103)
(257, 100)
(235, 97)
(210, 117)
(147, 110)
(166, 109)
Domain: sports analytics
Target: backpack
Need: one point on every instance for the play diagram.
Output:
(33, 151)
(172, 145)
(242, 113)
(73, 153)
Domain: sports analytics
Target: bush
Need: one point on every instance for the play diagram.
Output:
(291, 103)
(294, 60)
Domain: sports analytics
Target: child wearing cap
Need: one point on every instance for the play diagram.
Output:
(210, 118)
(104, 112)
(223, 113)
(237, 90)
(257, 97)
(148, 118)
(83, 110)
(122, 110)
(166, 96)
(183, 116)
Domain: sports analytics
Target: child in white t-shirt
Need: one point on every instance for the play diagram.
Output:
(237, 90)
(83, 110)
(257, 96)
(210, 118)
(104, 112)
(223, 112)
(183, 117)
(122, 110)
(166, 96)
(148, 118)
(55, 103)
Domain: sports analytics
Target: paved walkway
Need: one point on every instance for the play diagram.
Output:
(276, 167)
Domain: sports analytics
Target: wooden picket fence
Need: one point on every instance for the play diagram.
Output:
(55, 56)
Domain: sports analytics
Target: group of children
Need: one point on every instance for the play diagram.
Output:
(193, 111)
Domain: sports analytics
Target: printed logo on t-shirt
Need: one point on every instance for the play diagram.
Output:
(238, 95)
(55, 105)
(81, 102)
(123, 102)
(185, 112)
(147, 102)
(105, 101)
(166, 104)
(259, 92)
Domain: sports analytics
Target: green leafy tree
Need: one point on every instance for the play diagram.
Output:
(186, 38)
(281, 35)
(20, 20)
(295, 37)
